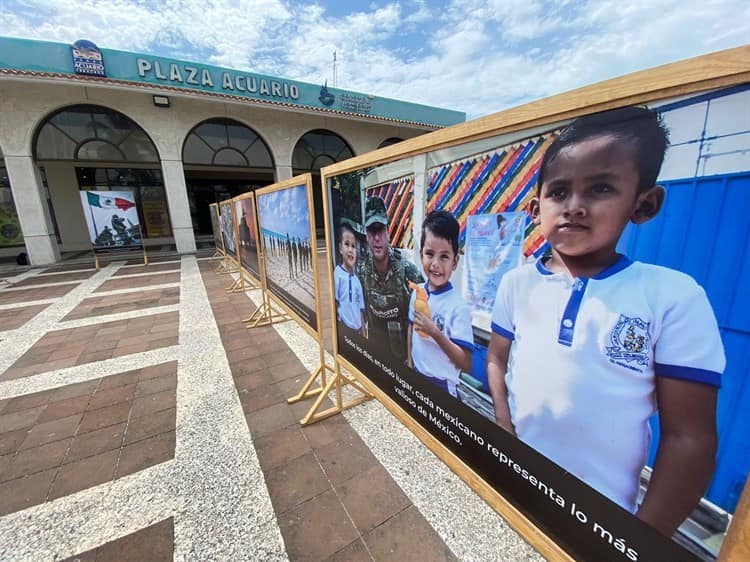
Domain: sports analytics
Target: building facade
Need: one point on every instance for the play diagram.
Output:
(180, 135)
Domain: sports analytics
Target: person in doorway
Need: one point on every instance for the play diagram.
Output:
(598, 342)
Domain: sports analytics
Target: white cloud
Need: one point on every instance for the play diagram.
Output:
(420, 15)
(476, 55)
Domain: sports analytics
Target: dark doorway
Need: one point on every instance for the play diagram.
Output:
(204, 191)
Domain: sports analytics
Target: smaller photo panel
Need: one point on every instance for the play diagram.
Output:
(289, 248)
(247, 231)
(112, 219)
(226, 218)
(216, 226)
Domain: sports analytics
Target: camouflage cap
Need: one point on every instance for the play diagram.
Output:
(375, 212)
(351, 225)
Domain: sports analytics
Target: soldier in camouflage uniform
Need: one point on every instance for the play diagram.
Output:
(385, 277)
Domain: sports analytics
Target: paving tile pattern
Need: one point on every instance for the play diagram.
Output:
(112, 304)
(333, 499)
(78, 266)
(159, 259)
(60, 349)
(67, 439)
(150, 268)
(152, 544)
(16, 317)
(31, 294)
(57, 278)
(139, 281)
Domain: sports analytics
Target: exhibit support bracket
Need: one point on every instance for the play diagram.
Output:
(244, 282)
(325, 386)
(226, 265)
(265, 314)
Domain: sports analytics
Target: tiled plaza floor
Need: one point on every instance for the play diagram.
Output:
(140, 419)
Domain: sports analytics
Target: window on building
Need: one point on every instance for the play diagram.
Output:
(90, 132)
(317, 149)
(224, 142)
(10, 226)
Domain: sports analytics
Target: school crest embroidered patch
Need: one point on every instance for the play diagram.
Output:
(439, 321)
(629, 343)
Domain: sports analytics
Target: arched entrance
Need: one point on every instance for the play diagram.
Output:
(90, 147)
(222, 158)
(312, 152)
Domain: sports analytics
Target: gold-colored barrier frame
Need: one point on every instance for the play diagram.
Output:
(325, 378)
(709, 72)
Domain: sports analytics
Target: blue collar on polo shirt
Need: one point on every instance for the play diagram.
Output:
(621, 263)
(568, 322)
(444, 289)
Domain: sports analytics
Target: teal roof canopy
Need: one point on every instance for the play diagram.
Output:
(35, 58)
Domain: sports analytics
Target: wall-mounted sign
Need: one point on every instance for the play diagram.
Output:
(228, 81)
(356, 103)
(87, 58)
(326, 97)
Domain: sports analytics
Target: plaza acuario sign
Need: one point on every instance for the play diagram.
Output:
(229, 82)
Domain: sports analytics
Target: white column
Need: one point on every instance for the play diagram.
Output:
(33, 213)
(283, 173)
(179, 208)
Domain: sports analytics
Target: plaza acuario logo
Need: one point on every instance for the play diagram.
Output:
(179, 73)
(87, 58)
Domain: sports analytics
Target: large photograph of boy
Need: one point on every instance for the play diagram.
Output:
(587, 334)
(226, 218)
(288, 249)
(248, 238)
(606, 364)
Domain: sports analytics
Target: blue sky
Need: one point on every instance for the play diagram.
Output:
(479, 56)
(285, 211)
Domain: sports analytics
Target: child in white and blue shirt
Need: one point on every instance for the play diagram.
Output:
(587, 345)
(350, 301)
(447, 345)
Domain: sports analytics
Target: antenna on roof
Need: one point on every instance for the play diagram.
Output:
(335, 81)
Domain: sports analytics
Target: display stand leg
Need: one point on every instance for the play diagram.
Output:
(145, 256)
(96, 261)
(238, 286)
(323, 390)
(265, 315)
(251, 285)
(242, 284)
(226, 266)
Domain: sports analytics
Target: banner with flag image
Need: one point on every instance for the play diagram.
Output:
(112, 219)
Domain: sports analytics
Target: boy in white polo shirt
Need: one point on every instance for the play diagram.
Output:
(350, 301)
(447, 345)
(587, 344)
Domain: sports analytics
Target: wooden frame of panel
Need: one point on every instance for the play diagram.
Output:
(713, 71)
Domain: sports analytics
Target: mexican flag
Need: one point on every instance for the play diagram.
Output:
(108, 202)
